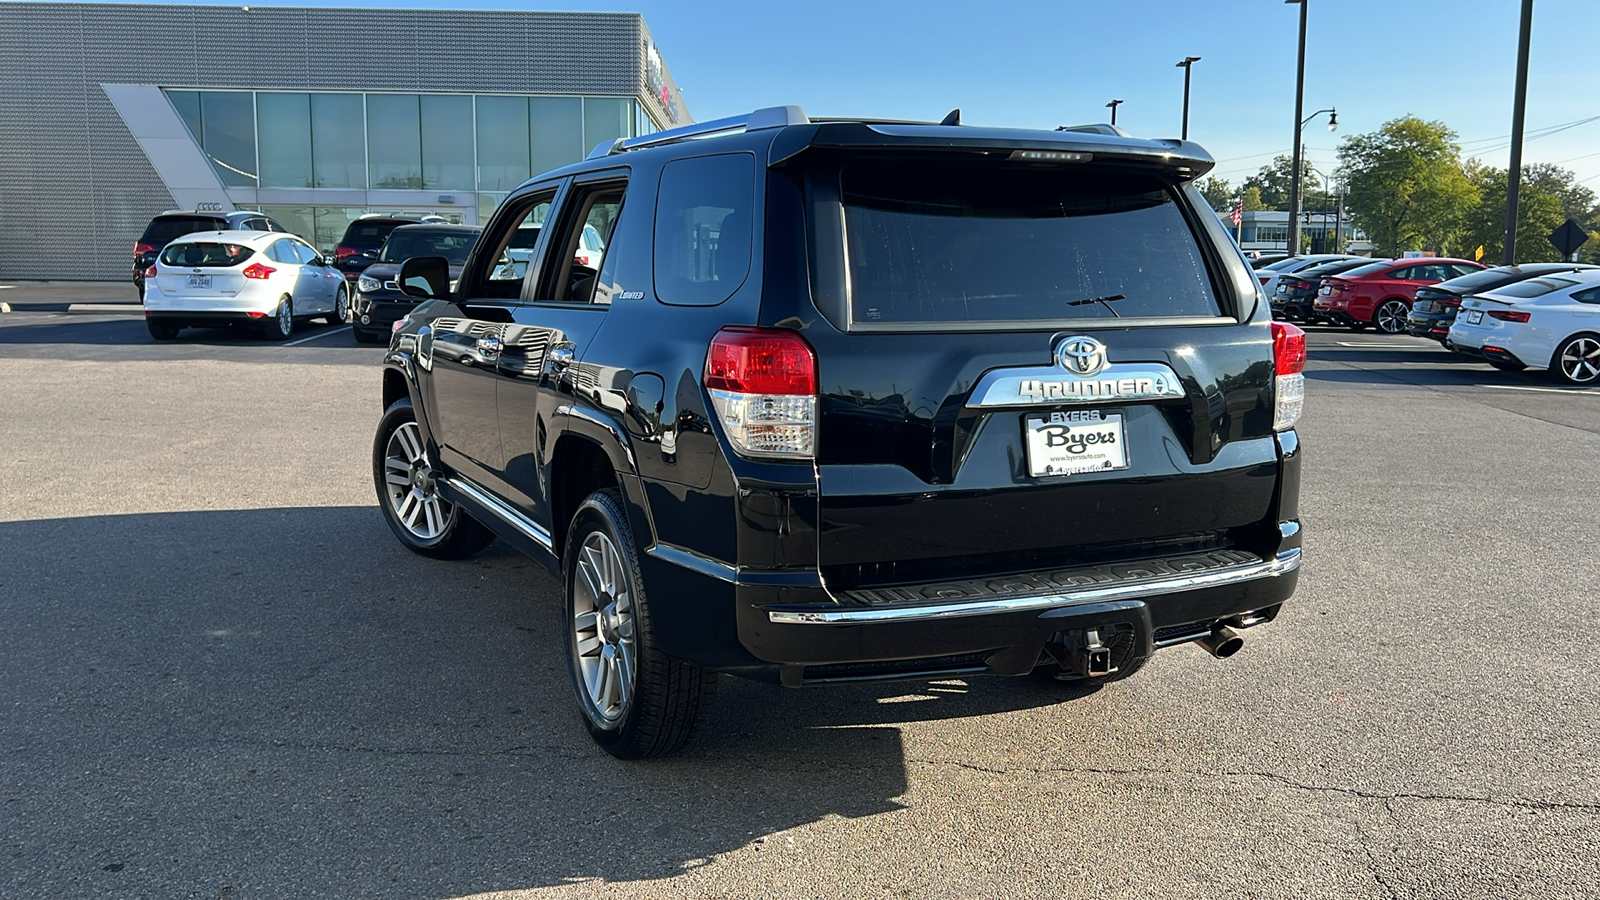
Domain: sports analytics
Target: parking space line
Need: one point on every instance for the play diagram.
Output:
(320, 334)
(1514, 387)
(1376, 344)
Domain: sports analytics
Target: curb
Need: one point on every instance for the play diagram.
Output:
(4, 307)
(104, 307)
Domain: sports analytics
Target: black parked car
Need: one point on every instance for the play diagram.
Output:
(1436, 305)
(166, 227)
(378, 302)
(362, 240)
(1292, 299)
(846, 401)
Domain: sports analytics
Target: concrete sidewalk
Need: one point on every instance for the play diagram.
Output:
(69, 296)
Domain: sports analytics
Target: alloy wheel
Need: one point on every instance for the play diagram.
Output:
(1392, 317)
(603, 627)
(1580, 360)
(285, 317)
(341, 306)
(411, 487)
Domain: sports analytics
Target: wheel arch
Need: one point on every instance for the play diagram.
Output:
(588, 457)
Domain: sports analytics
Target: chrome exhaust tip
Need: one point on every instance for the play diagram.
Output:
(1222, 642)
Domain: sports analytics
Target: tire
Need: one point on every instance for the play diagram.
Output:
(162, 331)
(1577, 360)
(404, 477)
(1506, 365)
(341, 308)
(1390, 316)
(280, 324)
(364, 336)
(636, 702)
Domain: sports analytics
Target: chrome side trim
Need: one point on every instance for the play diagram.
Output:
(501, 510)
(1054, 386)
(1285, 562)
(694, 562)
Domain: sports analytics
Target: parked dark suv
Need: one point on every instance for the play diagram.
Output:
(378, 301)
(358, 247)
(848, 400)
(172, 224)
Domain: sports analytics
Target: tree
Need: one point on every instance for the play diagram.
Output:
(1273, 182)
(1539, 212)
(1219, 193)
(1577, 201)
(1408, 190)
(1252, 200)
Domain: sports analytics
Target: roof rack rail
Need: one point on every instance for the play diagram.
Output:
(771, 117)
(1094, 129)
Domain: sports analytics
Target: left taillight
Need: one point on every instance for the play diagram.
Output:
(1508, 315)
(140, 248)
(1289, 382)
(763, 383)
(258, 271)
(150, 272)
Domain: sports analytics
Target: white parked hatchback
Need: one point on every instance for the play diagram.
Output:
(263, 278)
(1551, 322)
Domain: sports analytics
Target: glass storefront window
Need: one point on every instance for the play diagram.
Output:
(447, 163)
(300, 220)
(394, 141)
(605, 119)
(502, 142)
(187, 103)
(555, 129)
(338, 141)
(228, 135)
(283, 121)
(329, 225)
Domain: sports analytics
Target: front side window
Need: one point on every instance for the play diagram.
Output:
(952, 242)
(514, 255)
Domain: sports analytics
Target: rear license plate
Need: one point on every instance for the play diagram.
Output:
(1474, 316)
(1325, 290)
(200, 281)
(1071, 443)
(1422, 306)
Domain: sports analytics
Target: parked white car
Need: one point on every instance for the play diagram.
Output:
(262, 278)
(1551, 322)
(1271, 274)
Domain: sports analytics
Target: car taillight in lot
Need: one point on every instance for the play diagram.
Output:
(1507, 315)
(150, 272)
(140, 248)
(763, 383)
(1289, 385)
(258, 271)
(341, 251)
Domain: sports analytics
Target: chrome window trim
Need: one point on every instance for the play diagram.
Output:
(1283, 563)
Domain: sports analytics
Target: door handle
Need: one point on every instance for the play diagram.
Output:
(560, 357)
(490, 346)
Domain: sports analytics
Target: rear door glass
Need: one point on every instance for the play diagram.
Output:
(949, 242)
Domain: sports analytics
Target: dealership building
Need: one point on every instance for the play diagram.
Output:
(111, 113)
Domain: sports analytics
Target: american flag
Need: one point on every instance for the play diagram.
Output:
(1237, 214)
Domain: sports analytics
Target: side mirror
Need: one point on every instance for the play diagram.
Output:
(426, 277)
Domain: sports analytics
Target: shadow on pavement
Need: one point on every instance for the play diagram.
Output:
(284, 702)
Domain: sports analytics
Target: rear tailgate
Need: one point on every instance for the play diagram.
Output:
(1036, 368)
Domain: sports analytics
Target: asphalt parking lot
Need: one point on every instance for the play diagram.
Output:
(221, 676)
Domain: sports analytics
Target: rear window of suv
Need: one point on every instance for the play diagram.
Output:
(164, 230)
(943, 243)
(370, 234)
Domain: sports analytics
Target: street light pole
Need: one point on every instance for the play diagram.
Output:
(1186, 65)
(1299, 110)
(1114, 104)
(1520, 107)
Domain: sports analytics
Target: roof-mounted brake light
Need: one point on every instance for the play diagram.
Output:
(1050, 156)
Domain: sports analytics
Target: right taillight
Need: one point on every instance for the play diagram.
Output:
(1509, 315)
(258, 271)
(150, 272)
(763, 383)
(1289, 383)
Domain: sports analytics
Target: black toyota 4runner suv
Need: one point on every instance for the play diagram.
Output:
(855, 400)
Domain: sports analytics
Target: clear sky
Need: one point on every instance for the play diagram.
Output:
(1034, 63)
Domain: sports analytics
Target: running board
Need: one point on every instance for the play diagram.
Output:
(501, 510)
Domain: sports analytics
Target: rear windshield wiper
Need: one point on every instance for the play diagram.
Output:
(1105, 301)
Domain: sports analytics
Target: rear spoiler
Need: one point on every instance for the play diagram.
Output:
(1184, 160)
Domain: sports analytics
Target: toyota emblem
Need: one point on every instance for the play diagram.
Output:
(1081, 355)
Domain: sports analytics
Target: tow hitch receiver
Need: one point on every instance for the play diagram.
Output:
(1085, 653)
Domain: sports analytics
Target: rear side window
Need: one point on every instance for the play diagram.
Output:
(952, 242)
(208, 254)
(166, 229)
(704, 210)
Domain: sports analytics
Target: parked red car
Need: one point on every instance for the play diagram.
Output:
(1380, 293)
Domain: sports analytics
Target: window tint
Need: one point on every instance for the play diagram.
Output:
(305, 253)
(1535, 287)
(573, 272)
(1459, 269)
(1587, 295)
(166, 229)
(703, 228)
(369, 234)
(405, 243)
(513, 258)
(952, 242)
(206, 254)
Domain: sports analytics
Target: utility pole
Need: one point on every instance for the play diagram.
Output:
(1299, 110)
(1338, 225)
(1114, 104)
(1519, 108)
(1186, 65)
